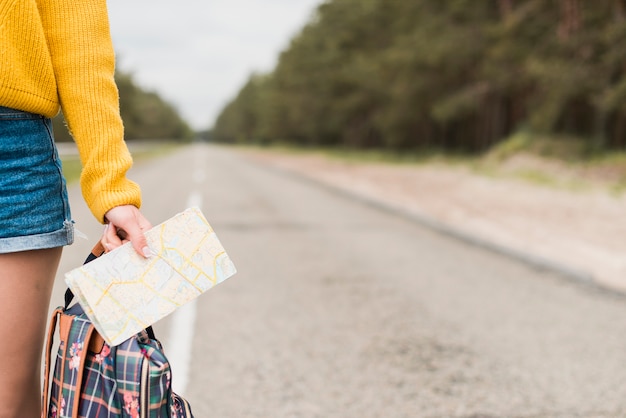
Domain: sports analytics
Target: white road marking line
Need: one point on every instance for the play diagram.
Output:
(199, 176)
(194, 199)
(180, 344)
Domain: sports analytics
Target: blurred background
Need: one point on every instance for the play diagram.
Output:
(457, 166)
(453, 76)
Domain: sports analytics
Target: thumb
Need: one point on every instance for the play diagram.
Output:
(128, 219)
(138, 240)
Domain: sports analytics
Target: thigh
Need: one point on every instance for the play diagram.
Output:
(26, 281)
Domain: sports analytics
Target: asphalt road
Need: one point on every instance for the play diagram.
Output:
(340, 309)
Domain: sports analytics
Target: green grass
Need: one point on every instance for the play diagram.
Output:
(585, 164)
(573, 164)
(375, 155)
(71, 168)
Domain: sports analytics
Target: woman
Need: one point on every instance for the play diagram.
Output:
(54, 54)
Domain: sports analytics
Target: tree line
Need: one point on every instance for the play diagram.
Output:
(456, 75)
(145, 114)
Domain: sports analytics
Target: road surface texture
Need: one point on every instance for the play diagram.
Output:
(574, 223)
(340, 309)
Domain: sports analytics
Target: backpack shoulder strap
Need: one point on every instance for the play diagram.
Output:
(50, 339)
(81, 370)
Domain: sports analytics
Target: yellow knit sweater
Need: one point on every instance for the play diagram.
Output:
(58, 54)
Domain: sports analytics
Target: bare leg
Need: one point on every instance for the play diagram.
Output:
(26, 281)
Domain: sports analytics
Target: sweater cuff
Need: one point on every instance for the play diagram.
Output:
(101, 203)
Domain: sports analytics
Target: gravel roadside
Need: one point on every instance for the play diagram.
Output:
(579, 231)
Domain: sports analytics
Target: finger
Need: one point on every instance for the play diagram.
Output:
(130, 220)
(137, 239)
(103, 239)
(111, 239)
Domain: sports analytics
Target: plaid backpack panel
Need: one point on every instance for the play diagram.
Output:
(94, 380)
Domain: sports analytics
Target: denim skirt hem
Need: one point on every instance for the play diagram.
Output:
(59, 238)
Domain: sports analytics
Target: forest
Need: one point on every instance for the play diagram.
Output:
(145, 114)
(453, 75)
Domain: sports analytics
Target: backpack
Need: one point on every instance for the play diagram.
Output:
(94, 380)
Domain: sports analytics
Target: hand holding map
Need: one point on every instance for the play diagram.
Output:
(123, 293)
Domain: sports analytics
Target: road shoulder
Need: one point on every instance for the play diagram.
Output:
(578, 232)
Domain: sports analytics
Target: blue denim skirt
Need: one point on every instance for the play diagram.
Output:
(34, 209)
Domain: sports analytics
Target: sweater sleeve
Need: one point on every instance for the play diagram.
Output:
(79, 40)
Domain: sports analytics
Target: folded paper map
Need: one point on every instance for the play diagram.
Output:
(123, 293)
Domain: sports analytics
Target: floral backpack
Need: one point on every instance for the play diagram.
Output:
(94, 380)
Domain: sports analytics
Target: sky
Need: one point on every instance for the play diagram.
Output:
(197, 54)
